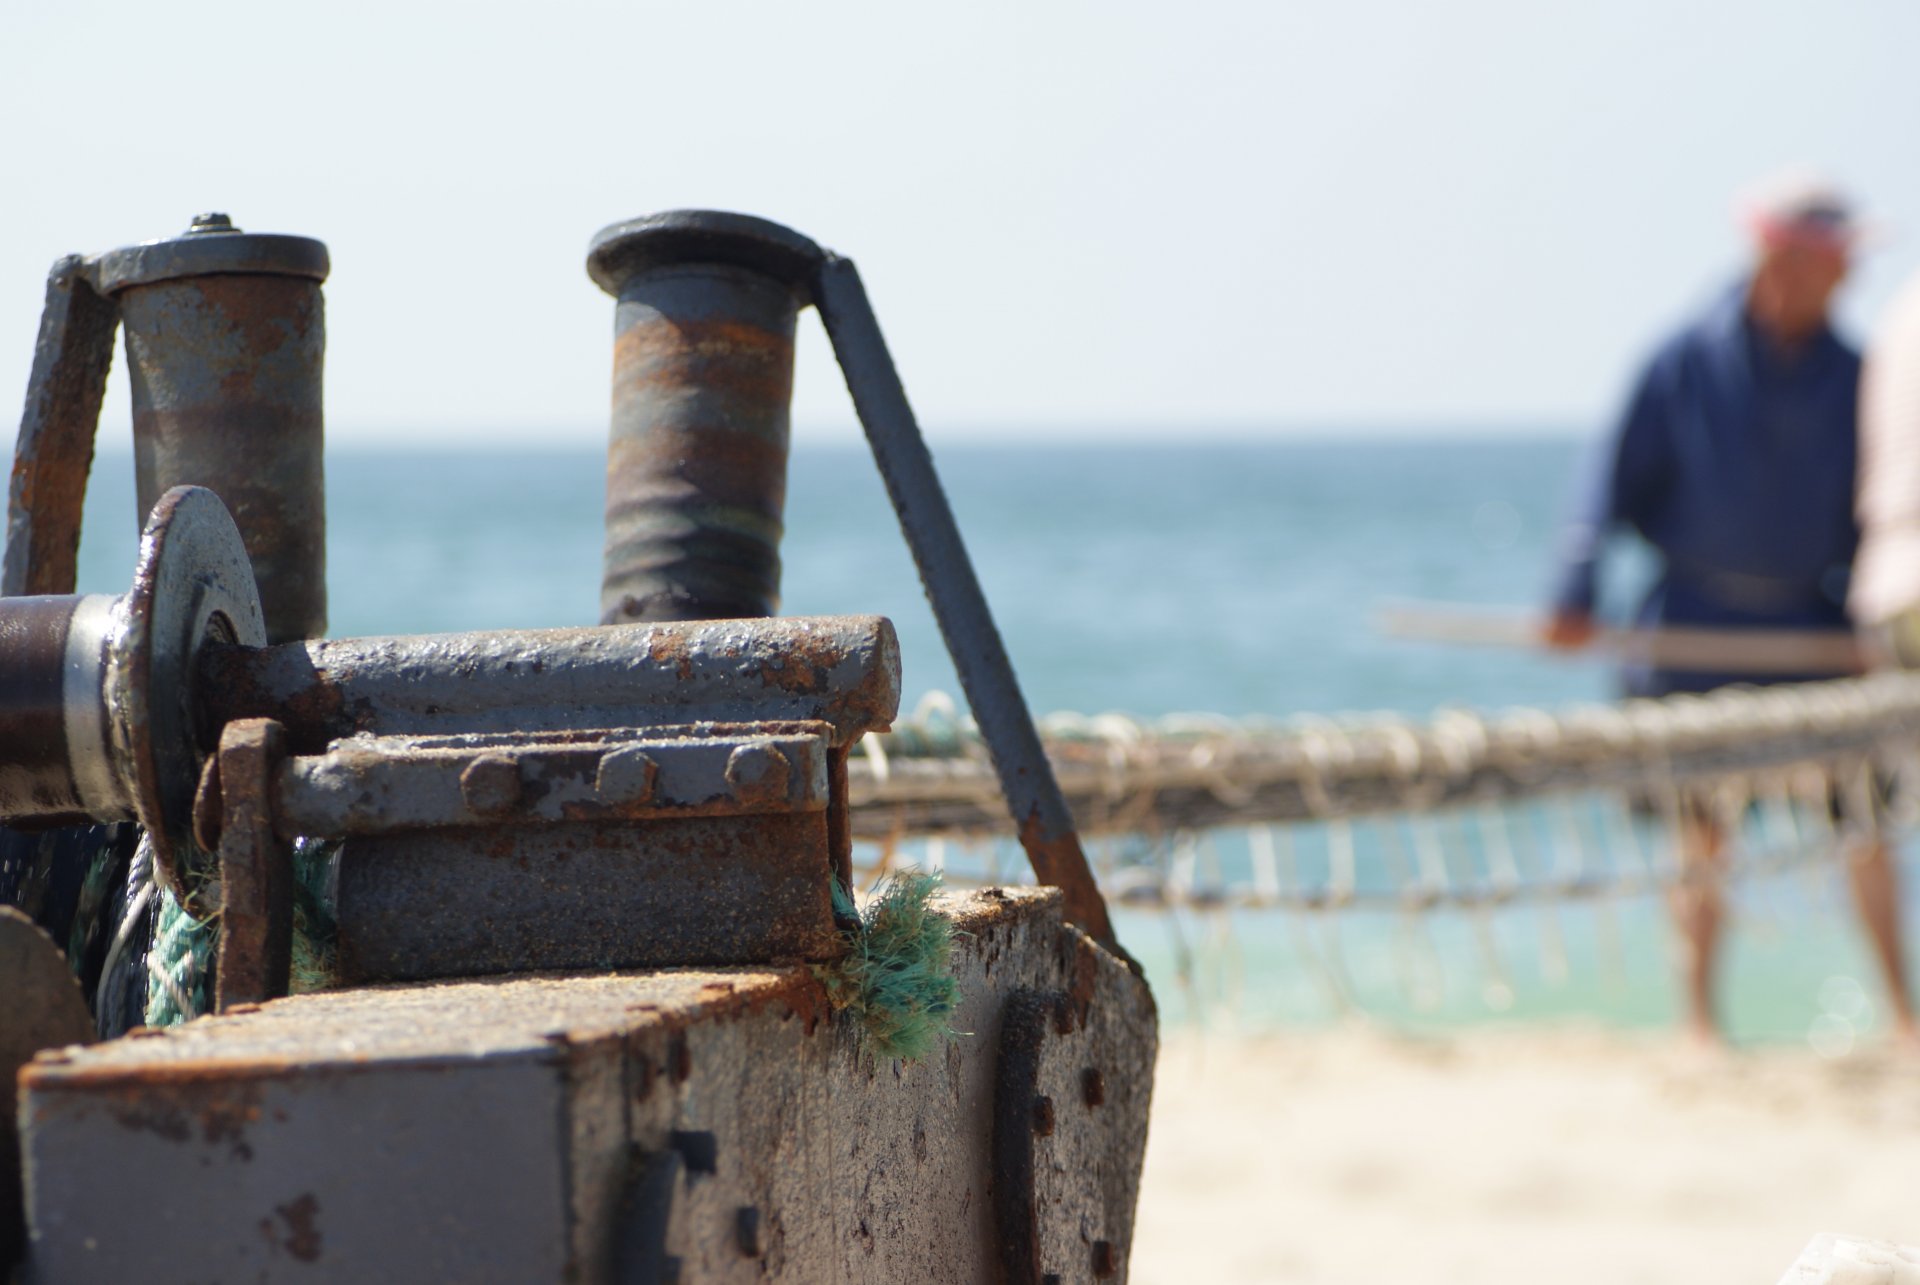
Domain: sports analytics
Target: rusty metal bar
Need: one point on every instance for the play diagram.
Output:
(702, 386)
(382, 785)
(966, 622)
(225, 337)
(841, 670)
(55, 450)
(256, 869)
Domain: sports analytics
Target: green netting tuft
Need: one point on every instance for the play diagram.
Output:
(896, 978)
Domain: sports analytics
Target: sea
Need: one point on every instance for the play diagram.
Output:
(1232, 577)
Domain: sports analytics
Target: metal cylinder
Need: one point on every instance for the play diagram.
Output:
(702, 386)
(840, 670)
(98, 717)
(225, 335)
(56, 767)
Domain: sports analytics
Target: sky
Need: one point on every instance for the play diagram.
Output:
(1080, 220)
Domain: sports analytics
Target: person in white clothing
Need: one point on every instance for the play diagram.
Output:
(1883, 597)
(1884, 600)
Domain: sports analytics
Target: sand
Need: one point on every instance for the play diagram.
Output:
(1567, 1156)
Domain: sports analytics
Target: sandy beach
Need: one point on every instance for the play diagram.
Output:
(1562, 1155)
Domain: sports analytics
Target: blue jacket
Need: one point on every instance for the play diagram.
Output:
(1735, 461)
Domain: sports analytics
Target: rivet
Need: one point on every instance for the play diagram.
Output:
(1093, 1086)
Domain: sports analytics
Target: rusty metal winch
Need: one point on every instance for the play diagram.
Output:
(610, 797)
(590, 867)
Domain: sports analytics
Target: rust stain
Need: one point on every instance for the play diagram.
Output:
(219, 1111)
(671, 648)
(303, 1234)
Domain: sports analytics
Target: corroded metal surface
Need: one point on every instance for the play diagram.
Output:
(193, 584)
(54, 453)
(702, 387)
(256, 868)
(375, 785)
(331, 1137)
(840, 670)
(607, 894)
(226, 394)
(41, 1007)
(1070, 1123)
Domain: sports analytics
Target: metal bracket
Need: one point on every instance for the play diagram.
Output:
(1069, 1133)
(256, 866)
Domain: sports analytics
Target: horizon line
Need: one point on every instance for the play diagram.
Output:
(1090, 434)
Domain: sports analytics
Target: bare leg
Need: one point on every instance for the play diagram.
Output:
(1698, 911)
(1876, 895)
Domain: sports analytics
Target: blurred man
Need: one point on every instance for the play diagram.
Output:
(1735, 461)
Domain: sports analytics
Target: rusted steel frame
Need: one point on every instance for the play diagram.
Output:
(840, 670)
(702, 392)
(379, 785)
(1039, 811)
(54, 453)
(256, 868)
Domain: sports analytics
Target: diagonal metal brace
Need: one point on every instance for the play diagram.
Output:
(55, 449)
(966, 622)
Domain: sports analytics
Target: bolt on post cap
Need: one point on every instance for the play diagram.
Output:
(621, 251)
(211, 245)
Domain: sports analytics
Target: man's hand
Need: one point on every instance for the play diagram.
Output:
(1568, 630)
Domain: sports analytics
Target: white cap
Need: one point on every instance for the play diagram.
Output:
(1801, 202)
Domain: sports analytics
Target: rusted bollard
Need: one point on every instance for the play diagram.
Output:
(702, 381)
(225, 335)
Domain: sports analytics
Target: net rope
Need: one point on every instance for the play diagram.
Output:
(1462, 816)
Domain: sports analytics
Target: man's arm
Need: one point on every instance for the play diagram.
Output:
(1622, 483)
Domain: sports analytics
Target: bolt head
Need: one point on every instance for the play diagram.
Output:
(491, 784)
(626, 775)
(758, 773)
(212, 222)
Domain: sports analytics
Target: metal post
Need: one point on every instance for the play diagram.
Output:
(979, 656)
(702, 381)
(225, 336)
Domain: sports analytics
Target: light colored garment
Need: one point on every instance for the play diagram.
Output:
(1886, 574)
